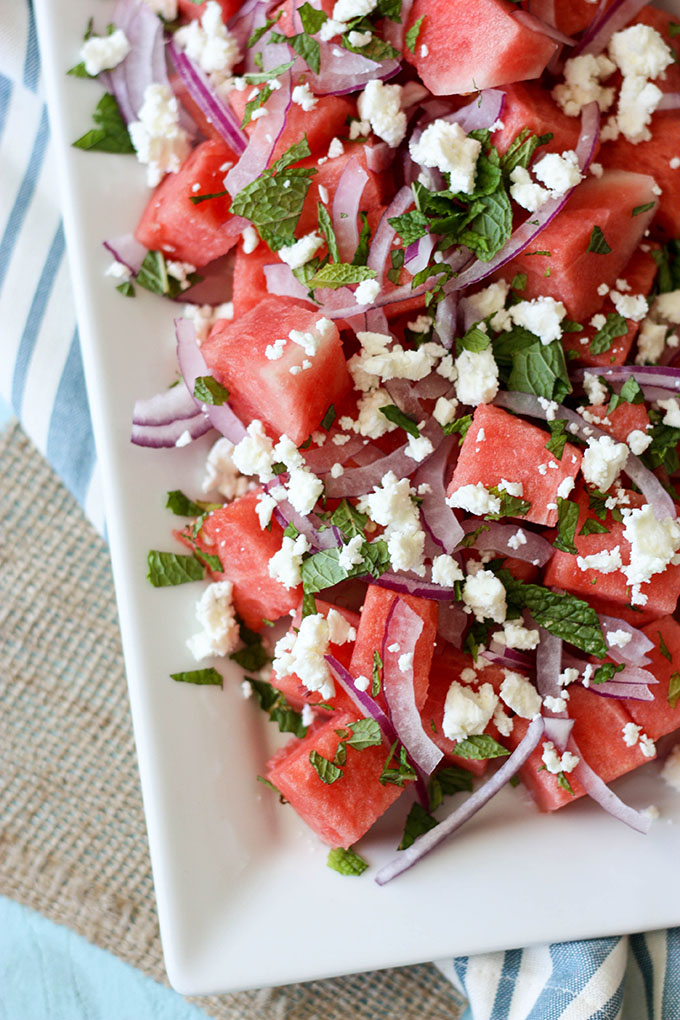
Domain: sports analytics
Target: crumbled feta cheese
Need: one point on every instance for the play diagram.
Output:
(284, 566)
(221, 474)
(253, 455)
(300, 252)
(640, 51)
(512, 488)
(210, 44)
(396, 363)
(671, 770)
(304, 97)
(596, 169)
(304, 489)
(630, 306)
(554, 762)
(541, 316)
(565, 487)
(391, 506)
(672, 409)
(446, 571)
(606, 561)
(476, 377)
(159, 141)
(583, 76)
(180, 271)
(362, 683)
(359, 39)
(525, 191)
(520, 695)
(556, 705)
(502, 721)
(303, 654)
(647, 746)
(350, 554)
(118, 270)
(447, 147)
(631, 734)
(558, 173)
(103, 52)
(475, 499)
(380, 105)
(467, 712)
(518, 539)
(215, 614)
(264, 508)
(346, 10)
(516, 635)
(336, 148)
(485, 595)
(651, 342)
(250, 240)
(204, 317)
(486, 302)
(405, 662)
(667, 307)
(330, 29)
(358, 129)
(418, 448)
(275, 351)
(569, 676)
(184, 439)
(445, 410)
(596, 391)
(337, 470)
(618, 638)
(311, 340)
(653, 543)
(367, 292)
(602, 461)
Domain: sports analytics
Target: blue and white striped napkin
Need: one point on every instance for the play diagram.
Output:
(620, 978)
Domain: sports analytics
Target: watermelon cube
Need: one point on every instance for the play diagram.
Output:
(377, 190)
(341, 812)
(658, 717)
(171, 223)
(234, 534)
(575, 274)
(541, 784)
(570, 18)
(466, 45)
(296, 693)
(622, 421)
(191, 10)
(489, 455)
(374, 613)
(529, 106)
(610, 593)
(290, 393)
(598, 732)
(250, 282)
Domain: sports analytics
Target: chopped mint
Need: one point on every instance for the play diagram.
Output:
(326, 228)
(346, 862)
(256, 103)
(564, 783)
(598, 243)
(472, 537)
(567, 520)
(558, 437)
(614, 327)
(365, 733)
(182, 506)
(413, 33)
(529, 366)
(327, 772)
(304, 45)
(395, 415)
(308, 606)
(519, 282)
(511, 506)
(361, 254)
(259, 32)
(410, 226)
(348, 519)
(521, 152)
(593, 527)
(606, 672)
(663, 647)
(647, 206)
(480, 747)
(474, 340)
(198, 199)
(340, 274)
(273, 202)
(397, 260)
(209, 391)
(126, 288)
(459, 427)
(674, 689)
(153, 275)
(418, 821)
(397, 771)
(311, 19)
(322, 570)
(203, 677)
(253, 656)
(447, 781)
(168, 569)
(376, 681)
(630, 393)
(111, 133)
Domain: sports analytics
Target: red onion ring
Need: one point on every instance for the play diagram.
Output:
(358, 481)
(161, 436)
(175, 404)
(385, 234)
(127, 250)
(192, 364)
(345, 209)
(145, 62)
(452, 623)
(637, 692)
(429, 840)
(602, 795)
(441, 525)
(536, 550)
(558, 730)
(216, 111)
(256, 157)
(634, 653)
(603, 27)
(661, 377)
(535, 24)
(549, 667)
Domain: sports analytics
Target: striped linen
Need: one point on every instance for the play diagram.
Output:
(620, 978)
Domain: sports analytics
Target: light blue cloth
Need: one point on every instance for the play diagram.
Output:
(635, 977)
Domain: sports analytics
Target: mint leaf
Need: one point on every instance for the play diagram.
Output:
(413, 33)
(346, 862)
(663, 647)
(340, 274)
(447, 781)
(259, 32)
(182, 506)
(126, 288)
(674, 690)
(273, 202)
(274, 703)
(490, 226)
(322, 570)
(111, 133)
(593, 527)
(327, 772)
(166, 569)
(563, 615)
(312, 20)
(254, 104)
(308, 606)
(254, 656)
(410, 226)
(209, 391)
(349, 520)
(393, 414)
(540, 369)
(418, 821)
(511, 506)
(521, 151)
(604, 673)
(614, 327)
(519, 282)
(458, 427)
(474, 340)
(329, 417)
(564, 783)
(326, 228)
(199, 199)
(304, 45)
(203, 677)
(567, 519)
(389, 9)
(558, 437)
(365, 733)
(630, 393)
(399, 771)
(361, 254)
(376, 684)
(598, 244)
(480, 747)
(153, 275)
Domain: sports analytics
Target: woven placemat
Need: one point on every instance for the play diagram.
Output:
(72, 834)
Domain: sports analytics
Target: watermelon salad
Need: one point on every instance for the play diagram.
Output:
(426, 266)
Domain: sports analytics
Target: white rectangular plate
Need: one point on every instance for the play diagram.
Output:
(244, 895)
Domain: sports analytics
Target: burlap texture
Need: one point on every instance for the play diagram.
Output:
(72, 835)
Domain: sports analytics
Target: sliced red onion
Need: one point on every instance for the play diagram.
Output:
(445, 319)
(670, 101)
(172, 434)
(358, 481)
(310, 526)
(542, 27)
(481, 113)
(322, 459)
(629, 675)
(127, 250)
(384, 235)
(536, 550)
(638, 692)
(341, 304)
(409, 584)
(260, 148)
(530, 229)
(650, 486)
(598, 790)
(252, 14)
(663, 376)
(145, 62)
(440, 523)
(558, 730)
(635, 651)
(452, 623)
(393, 31)
(429, 840)
(379, 156)
(192, 364)
(215, 110)
(376, 321)
(549, 666)
(508, 657)
(616, 17)
(175, 404)
(215, 286)
(343, 71)
(403, 628)
(280, 281)
(346, 205)
(417, 255)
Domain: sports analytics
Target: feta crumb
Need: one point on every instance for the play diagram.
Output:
(210, 44)
(246, 689)
(602, 461)
(350, 554)
(475, 499)
(275, 351)
(596, 391)
(221, 474)
(667, 307)
(565, 487)
(596, 169)
(118, 270)
(159, 141)
(303, 654)
(304, 489)
(672, 409)
(638, 441)
(558, 173)
(253, 455)
(640, 50)
(447, 147)
(630, 306)
(606, 561)
(335, 149)
(330, 29)
(518, 539)
(323, 194)
(215, 614)
(486, 302)
(300, 252)
(651, 342)
(346, 10)
(556, 705)
(358, 129)
(516, 635)
(541, 316)
(391, 506)
(304, 97)
(446, 571)
(512, 488)
(647, 746)
(362, 683)
(102, 53)
(467, 712)
(445, 411)
(502, 721)
(618, 638)
(583, 76)
(653, 543)
(184, 439)
(525, 191)
(367, 292)
(405, 662)
(380, 105)
(476, 377)
(569, 676)
(554, 762)
(520, 695)
(485, 595)
(671, 770)
(418, 448)
(359, 39)
(284, 565)
(631, 734)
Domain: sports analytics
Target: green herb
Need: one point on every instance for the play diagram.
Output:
(630, 393)
(410, 226)
(663, 647)
(519, 282)
(674, 690)
(480, 747)
(153, 275)
(511, 506)
(470, 539)
(413, 33)
(389, 9)
(256, 103)
(126, 288)
(663, 449)
(270, 786)
(111, 133)
(311, 19)
(446, 782)
(558, 437)
(399, 771)
(614, 327)
(529, 366)
(474, 340)
(253, 656)
(418, 822)
(365, 733)
(361, 254)
(182, 506)
(397, 260)
(204, 677)
(598, 244)
(329, 417)
(273, 202)
(340, 274)
(567, 520)
(327, 772)
(304, 45)
(606, 672)
(259, 32)
(275, 704)
(643, 208)
(198, 199)
(376, 684)
(593, 527)
(322, 570)
(522, 149)
(564, 783)
(350, 521)
(393, 414)
(597, 503)
(78, 71)
(210, 391)
(326, 228)
(308, 606)
(569, 326)
(346, 862)
(490, 226)
(168, 569)
(459, 427)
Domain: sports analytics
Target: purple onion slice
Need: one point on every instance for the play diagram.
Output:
(192, 365)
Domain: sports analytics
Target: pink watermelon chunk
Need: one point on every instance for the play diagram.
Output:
(339, 813)
(374, 613)
(379, 186)
(493, 458)
(571, 18)
(171, 223)
(466, 45)
(529, 105)
(610, 593)
(658, 717)
(233, 532)
(296, 693)
(541, 784)
(250, 283)
(190, 10)
(576, 273)
(622, 421)
(287, 402)
(598, 727)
